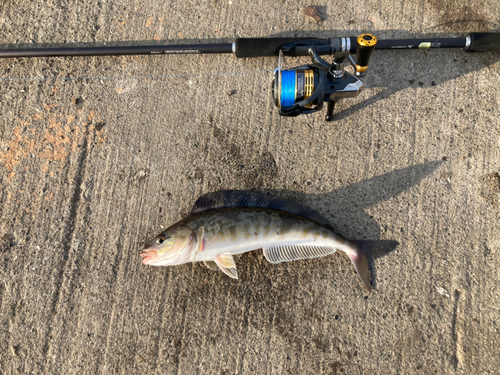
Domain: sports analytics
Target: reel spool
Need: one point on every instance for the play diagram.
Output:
(305, 89)
(295, 85)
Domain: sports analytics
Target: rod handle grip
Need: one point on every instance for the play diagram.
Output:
(260, 47)
(484, 42)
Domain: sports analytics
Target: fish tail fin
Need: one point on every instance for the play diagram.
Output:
(360, 262)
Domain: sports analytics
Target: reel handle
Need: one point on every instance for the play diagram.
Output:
(366, 46)
(484, 42)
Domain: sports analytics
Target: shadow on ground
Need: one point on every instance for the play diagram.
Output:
(357, 197)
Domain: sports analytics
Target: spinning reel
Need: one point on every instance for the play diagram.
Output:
(305, 89)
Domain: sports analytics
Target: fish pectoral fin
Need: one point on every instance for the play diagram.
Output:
(288, 253)
(211, 264)
(226, 264)
(200, 233)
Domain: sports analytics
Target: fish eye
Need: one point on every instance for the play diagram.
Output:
(160, 239)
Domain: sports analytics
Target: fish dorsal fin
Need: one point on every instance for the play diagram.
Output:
(288, 253)
(226, 264)
(242, 198)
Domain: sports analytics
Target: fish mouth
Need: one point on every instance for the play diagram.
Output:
(148, 255)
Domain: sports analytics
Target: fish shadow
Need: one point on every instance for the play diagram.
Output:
(345, 208)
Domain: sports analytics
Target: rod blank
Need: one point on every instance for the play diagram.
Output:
(117, 51)
(259, 47)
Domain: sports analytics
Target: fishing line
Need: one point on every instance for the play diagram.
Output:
(287, 87)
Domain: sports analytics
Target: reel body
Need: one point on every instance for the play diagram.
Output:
(305, 89)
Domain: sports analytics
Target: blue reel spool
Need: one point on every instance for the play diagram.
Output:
(294, 86)
(288, 88)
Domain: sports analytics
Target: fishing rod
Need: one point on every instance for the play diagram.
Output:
(303, 89)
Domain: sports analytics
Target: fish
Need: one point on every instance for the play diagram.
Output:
(227, 223)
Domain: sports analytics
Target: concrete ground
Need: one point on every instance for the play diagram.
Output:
(98, 154)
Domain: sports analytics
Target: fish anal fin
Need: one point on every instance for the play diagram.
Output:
(226, 264)
(288, 253)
